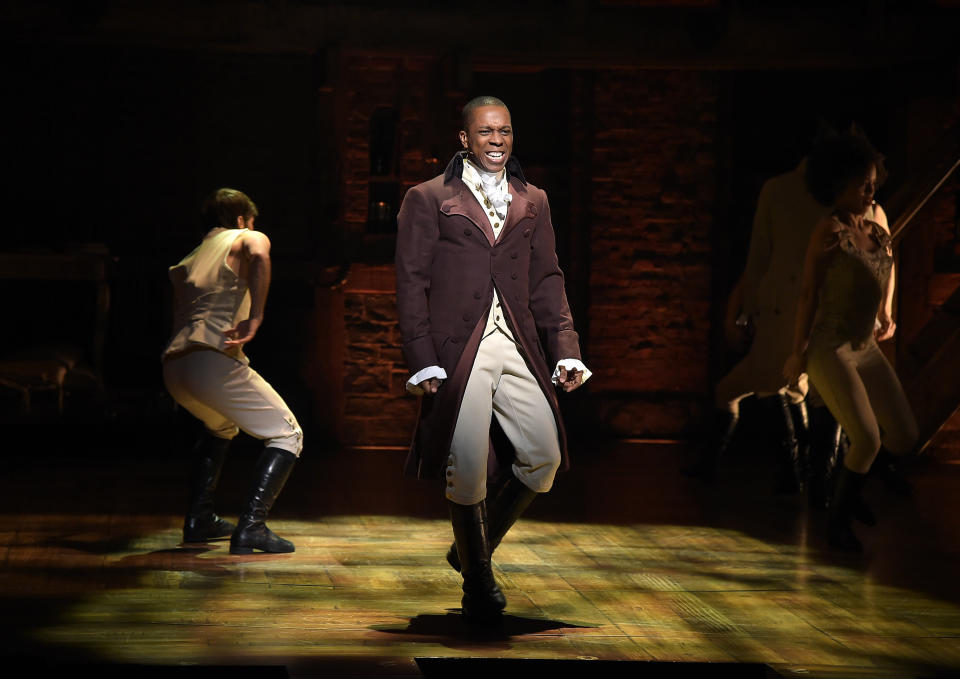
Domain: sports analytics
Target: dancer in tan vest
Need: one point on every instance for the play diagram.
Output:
(220, 292)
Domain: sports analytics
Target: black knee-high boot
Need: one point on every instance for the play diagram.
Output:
(825, 437)
(201, 522)
(482, 598)
(828, 449)
(509, 501)
(720, 429)
(846, 498)
(271, 473)
(801, 423)
(790, 474)
(885, 468)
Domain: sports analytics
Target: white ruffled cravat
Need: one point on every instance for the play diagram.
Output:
(493, 186)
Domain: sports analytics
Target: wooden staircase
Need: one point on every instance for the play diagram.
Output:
(933, 387)
(930, 363)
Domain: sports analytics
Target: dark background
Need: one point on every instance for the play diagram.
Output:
(121, 117)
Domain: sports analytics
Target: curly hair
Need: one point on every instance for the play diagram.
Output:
(838, 159)
(223, 206)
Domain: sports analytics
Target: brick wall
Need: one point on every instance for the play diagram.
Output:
(653, 190)
(377, 411)
(650, 195)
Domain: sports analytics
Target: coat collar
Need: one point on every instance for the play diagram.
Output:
(455, 168)
(464, 203)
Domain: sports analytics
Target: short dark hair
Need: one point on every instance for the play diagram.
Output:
(476, 103)
(838, 159)
(223, 206)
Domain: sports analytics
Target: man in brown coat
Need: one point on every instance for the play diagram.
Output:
(482, 307)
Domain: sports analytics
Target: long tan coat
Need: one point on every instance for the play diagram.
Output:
(786, 216)
(447, 267)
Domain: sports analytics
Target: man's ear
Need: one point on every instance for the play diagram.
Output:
(240, 223)
(463, 139)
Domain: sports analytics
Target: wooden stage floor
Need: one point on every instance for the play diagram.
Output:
(624, 561)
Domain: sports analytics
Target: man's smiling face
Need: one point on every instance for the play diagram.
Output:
(490, 137)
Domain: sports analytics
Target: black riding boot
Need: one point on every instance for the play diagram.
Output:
(272, 470)
(846, 497)
(482, 598)
(507, 504)
(790, 474)
(825, 437)
(828, 449)
(720, 431)
(886, 469)
(201, 522)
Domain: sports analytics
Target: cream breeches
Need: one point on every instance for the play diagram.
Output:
(501, 384)
(862, 391)
(228, 396)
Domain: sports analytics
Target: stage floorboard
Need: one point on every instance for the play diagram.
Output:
(625, 561)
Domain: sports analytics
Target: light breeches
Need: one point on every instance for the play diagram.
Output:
(229, 396)
(862, 391)
(501, 384)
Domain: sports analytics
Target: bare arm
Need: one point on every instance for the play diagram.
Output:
(822, 240)
(255, 251)
(887, 327)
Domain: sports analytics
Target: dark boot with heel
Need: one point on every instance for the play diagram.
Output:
(790, 479)
(271, 473)
(825, 436)
(508, 503)
(201, 522)
(846, 500)
(888, 470)
(482, 601)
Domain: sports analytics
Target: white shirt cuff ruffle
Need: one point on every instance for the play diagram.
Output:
(426, 374)
(570, 364)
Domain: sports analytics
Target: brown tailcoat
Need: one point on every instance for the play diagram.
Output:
(447, 267)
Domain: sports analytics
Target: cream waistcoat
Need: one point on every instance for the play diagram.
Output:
(209, 297)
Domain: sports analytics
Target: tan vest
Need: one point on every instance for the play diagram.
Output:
(209, 297)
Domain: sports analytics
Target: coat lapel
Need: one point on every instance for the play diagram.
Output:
(465, 204)
(520, 208)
